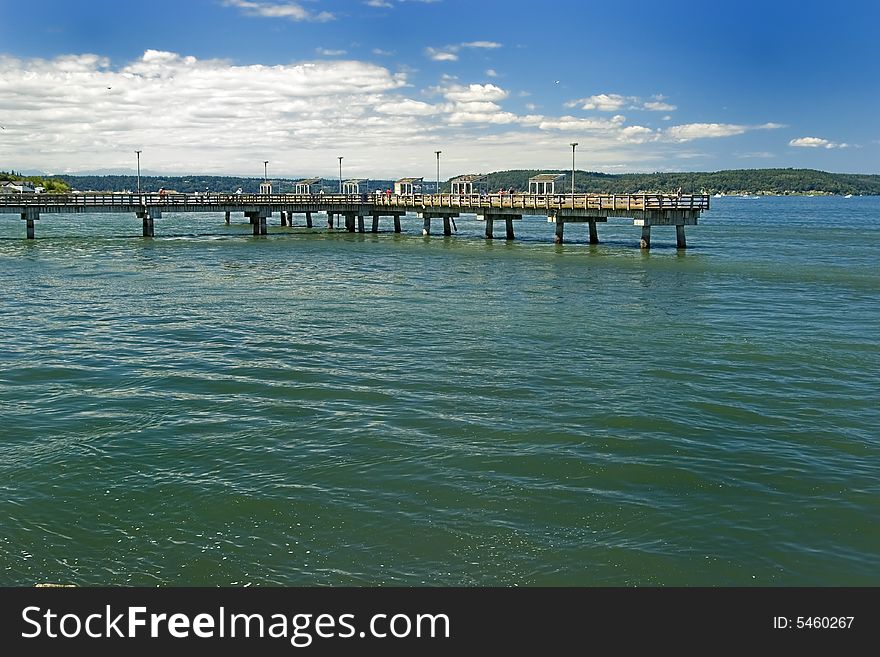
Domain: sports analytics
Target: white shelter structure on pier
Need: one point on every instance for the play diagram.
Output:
(355, 186)
(407, 186)
(307, 186)
(472, 183)
(265, 187)
(545, 183)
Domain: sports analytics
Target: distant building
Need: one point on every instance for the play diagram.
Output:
(473, 183)
(307, 186)
(545, 183)
(407, 186)
(13, 187)
(355, 186)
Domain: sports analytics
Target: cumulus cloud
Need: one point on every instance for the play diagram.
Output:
(617, 102)
(289, 10)
(816, 142)
(81, 113)
(379, 3)
(329, 52)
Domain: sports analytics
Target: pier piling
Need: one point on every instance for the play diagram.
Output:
(560, 230)
(679, 237)
(645, 242)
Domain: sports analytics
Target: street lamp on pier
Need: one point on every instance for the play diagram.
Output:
(139, 170)
(340, 174)
(573, 145)
(265, 170)
(438, 170)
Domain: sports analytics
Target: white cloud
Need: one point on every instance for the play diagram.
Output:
(289, 10)
(327, 52)
(816, 142)
(617, 102)
(378, 3)
(637, 134)
(382, 53)
(448, 53)
(441, 55)
(491, 72)
(574, 124)
(474, 92)
(82, 113)
(408, 107)
(658, 106)
(690, 131)
(601, 102)
(481, 44)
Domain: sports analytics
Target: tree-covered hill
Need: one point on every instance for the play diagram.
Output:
(751, 181)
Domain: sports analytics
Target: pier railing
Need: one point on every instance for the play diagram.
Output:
(464, 202)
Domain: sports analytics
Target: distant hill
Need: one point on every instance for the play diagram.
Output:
(751, 181)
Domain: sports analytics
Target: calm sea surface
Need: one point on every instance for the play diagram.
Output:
(314, 408)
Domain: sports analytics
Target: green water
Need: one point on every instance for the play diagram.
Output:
(314, 408)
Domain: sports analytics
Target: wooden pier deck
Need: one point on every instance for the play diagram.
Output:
(646, 210)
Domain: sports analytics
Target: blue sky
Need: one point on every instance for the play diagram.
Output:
(218, 86)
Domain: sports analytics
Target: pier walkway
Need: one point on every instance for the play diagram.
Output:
(646, 210)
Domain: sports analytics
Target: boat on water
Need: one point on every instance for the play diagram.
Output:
(848, 196)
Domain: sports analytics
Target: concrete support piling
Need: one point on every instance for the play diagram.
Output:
(645, 242)
(397, 223)
(679, 237)
(560, 229)
(308, 219)
(148, 217)
(489, 228)
(508, 227)
(360, 223)
(228, 217)
(447, 226)
(283, 218)
(258, 221)
(594, 234)
(375, 223)
(426, 226)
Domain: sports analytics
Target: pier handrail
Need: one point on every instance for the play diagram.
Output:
(513, 201)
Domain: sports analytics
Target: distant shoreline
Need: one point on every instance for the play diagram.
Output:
(737, 182)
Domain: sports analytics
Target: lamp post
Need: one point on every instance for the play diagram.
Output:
(265, 171)
(340, 174)
(139, 170)
(573, 145)
(438, 170)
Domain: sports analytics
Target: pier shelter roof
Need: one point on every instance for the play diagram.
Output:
(355, 185)
(545, 183)
(406, 186)
(472, 183)
(305, 185)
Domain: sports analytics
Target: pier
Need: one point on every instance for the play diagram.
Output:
(646, 210)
